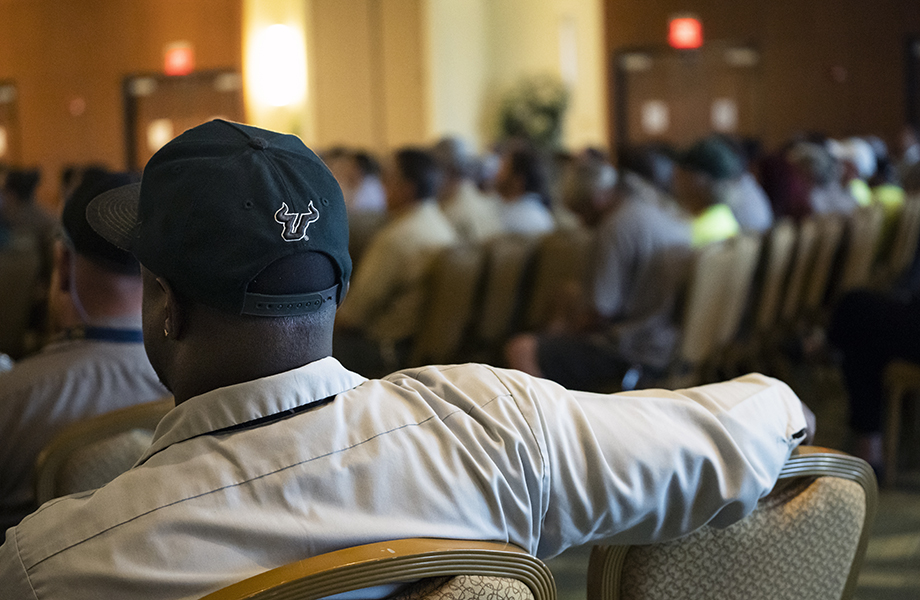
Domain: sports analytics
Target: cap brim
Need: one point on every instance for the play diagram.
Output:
(113, 214)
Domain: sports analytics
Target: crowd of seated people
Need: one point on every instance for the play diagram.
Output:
(647, 213)
(274, 452)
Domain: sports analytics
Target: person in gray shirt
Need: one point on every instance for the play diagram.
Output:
(91, 369)
(642, 250)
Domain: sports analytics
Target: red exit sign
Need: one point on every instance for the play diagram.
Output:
(685, 33)
(179, 59)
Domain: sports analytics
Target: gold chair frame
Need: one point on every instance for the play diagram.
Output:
(392, 562)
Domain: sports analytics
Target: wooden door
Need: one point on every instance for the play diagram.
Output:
(680, 96)
(160, 107)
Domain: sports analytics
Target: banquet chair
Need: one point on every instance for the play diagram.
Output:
(864, 230)
(508, 262)
(902, 384)
(903, 245)
(806, 539)
(562, 260)
(820, 278)
(19, 273)
(453, 282)
(426, 569)
(739, 284)
(87, 454)
(803, 259)
(709, 277)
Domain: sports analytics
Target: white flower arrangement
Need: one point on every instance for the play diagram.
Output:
(534, 109)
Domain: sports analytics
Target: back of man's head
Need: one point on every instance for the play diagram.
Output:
(454, 157)
(21, 184)
(82, 238)
(242, 234)
(419, 168)
(524, 162)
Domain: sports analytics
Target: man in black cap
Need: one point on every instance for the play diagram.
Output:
(275, 452)
(95, 368)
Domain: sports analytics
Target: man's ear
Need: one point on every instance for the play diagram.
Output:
(175, 314)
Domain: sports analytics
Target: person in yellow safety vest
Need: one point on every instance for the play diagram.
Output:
(700, 168)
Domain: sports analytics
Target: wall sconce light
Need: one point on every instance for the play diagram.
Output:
(279, 66)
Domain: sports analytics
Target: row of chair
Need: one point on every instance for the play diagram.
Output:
(754, 287)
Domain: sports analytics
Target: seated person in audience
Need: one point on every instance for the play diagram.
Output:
(640, 261)
(701, 171)
(378, 321)
(786, 186)
(910, 151)
(822, 174)
(275, 453)
(871, 329)
(743, 194)
(857, 165)
(474, 215)
(359, 176)
(93, 369)
(521, 184)
(28, 219)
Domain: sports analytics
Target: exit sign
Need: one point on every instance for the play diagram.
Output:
(685, 33)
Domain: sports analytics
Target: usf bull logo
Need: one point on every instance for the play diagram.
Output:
(295, 224)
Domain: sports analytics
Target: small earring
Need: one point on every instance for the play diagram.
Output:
(165, 332)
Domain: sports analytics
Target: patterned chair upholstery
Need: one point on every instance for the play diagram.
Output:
(434, 569)
(88, 454)
(806, 539)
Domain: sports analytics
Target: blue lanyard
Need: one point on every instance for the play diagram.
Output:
(110, 334)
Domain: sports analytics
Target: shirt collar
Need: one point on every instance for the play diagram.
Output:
(245, 402)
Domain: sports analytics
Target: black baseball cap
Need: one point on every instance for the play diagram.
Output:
(81, 237)
(241, 219)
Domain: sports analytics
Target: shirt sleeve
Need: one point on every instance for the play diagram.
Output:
(14, 581)
(650, 466)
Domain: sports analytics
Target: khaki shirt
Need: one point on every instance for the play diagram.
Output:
(387, 291)
(465, 451)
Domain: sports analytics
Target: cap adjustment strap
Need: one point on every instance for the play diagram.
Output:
(286, 305)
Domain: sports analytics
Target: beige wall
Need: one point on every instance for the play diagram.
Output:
(369, 76)
(480, 48)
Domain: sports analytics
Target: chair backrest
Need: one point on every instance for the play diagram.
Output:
(827, 247)
(507, 261)
(88, 454)
(712, 268)
(779, 253)
(562, 259)
(452, 286)
(738, 285)
(486, 570)
(864, 230)
(906, 237)
(20, 263)
(803, 258)
(806, 539)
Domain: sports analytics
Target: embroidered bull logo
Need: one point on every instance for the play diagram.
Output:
(295, 224)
